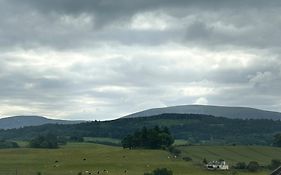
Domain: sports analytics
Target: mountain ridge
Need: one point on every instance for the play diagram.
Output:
(20, 121)
(218, 111)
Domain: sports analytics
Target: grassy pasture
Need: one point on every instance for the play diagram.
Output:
(26, 161)
(233, 154)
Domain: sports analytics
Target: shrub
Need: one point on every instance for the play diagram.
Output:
(76, 139)
(205, 161)
(160, 171)
(48, 141)
(275, 163)
(154, 138)
(8, 144)
(277, 140)
(240, 165)
(253, 166)
(173, 150)
(187, 159)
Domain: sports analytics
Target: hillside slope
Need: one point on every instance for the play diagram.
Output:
(192, 127)
(219, 111)
(22, 121)
(119, 161)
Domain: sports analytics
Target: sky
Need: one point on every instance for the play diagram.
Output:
(103, 59)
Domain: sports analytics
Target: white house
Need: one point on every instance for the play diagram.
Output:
(217, 165)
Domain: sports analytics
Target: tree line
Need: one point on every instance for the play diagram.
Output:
(153, 138)
(192, 127)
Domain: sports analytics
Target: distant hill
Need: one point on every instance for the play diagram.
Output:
(218, 111)
(22, 121)
(194, 128)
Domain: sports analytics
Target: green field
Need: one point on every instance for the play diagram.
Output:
(103, 140)
(233, 154)
(26, 161)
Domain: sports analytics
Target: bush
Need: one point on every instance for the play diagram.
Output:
(48, 141)
(187, 159)
(205, 161)
(8, 144)
(173, 150)
(240, 165)
(154, 138)
(162, 171)
(275, 163)
(62, 140)
(277, 140)
(253, 166)
(76, 139)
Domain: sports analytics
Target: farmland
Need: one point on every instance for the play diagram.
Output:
(80, 157)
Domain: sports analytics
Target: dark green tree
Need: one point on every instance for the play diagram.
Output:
(47, 141)
(154, 138)
(160, 171)
(275, 163)
(240, 165)
(205, 161)
(127, 142)
(253, 166)
(8, 144)
(277, 140)
(173, 150)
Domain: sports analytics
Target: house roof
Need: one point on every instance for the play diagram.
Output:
(277, 171)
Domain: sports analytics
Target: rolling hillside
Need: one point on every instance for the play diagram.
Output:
(22, 121)
(81, 157)
(192, 127)
(232, 154)
(219, 111)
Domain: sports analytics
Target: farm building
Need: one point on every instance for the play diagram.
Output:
(217, 165)
(277, 171)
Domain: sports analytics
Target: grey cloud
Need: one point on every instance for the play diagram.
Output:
(218, 23)
(131, 82)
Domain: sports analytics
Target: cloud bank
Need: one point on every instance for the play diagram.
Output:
(104, 59)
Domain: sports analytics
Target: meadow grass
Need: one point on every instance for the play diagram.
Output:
(70, 160)
(102, 140)
(233, 154)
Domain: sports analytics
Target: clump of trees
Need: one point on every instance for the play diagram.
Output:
(76, 139)
(154, 138)
(277, 140)
(240, 165)
(252, 166)
(174, 151)
(205, 161)
(275, 163)
(186, 158)
(160, 171)
(47, 141)
(8, 144)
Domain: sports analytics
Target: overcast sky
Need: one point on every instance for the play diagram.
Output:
(102, 59)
